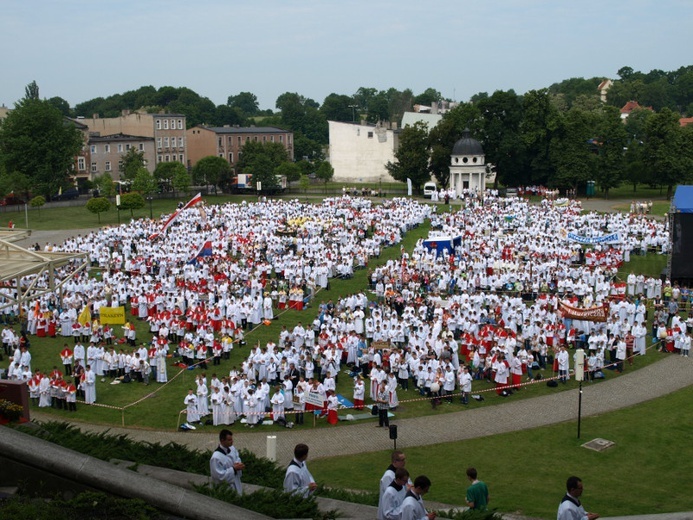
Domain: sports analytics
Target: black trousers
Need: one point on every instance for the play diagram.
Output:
(383, 419)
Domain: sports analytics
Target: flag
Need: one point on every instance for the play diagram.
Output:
(204, 251)
(197, 198)
(84, 316)
(60, 191)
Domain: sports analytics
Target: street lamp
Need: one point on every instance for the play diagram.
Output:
(353, 112)
(149, 198)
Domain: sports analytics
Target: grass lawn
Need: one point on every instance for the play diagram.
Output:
(643, 473)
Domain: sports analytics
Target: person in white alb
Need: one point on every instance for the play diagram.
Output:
(298, 479)
(225, 465)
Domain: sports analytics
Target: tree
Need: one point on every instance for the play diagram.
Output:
(325, 172)
(212, 170)
(61, 105)
(130, 163)
(37, 202)
(181, 179)
(262, 171)
(98, 205)
(573, 150)
(105, 184)
(667, 150)
(428, 97)
(613, 138)
(290, 170)
(246, 102)
(338, 107)
(274, 152)
(31, 91)
(412, 156)
(131, 201)
(166, 171)
(539, 124)
(446, 133)
(38, 143)
(144, 182)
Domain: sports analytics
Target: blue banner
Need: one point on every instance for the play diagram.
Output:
(613, 237)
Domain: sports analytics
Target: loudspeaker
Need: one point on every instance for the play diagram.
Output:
(393, 432)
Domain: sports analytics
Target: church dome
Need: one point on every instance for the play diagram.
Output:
(467, 145)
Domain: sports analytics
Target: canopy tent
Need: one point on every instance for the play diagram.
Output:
(442, 244)
(683, 200)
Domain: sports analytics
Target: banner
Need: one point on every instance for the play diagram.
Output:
(599, 313)
(409, 187)
(315, 398)
(84, 316)
(112, 315)
(612, 238)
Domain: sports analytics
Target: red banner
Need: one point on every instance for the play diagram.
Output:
(599, 313)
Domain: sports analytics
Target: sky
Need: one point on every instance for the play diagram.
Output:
(80, 50)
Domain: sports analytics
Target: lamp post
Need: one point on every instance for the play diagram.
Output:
(149, 198)
(353, 112)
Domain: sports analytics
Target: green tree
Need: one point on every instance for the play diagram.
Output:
(166, 171)
(181, 179)
(337, 107)
(572, 152)
(212, 170)
(131, 201)
(105, 184)
(31, 91)
(539, 125)
(61, 105)
(262, 171)
(325, 172)
(446, 133)
(130, 163)
(667, 150)
(412, 156)
(428, 97)
(501, 117)
(38, 202)
(98, 205)
(246, 102)
(290, 170)
(274, 152)
(144, 182)
(613, 137)
(38, 143)
(14, 182)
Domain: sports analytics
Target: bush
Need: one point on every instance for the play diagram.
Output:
(10, 411)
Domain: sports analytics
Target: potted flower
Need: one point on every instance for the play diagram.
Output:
(9, 411)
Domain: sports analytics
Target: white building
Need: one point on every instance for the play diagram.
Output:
(468, 166)
(359, 152)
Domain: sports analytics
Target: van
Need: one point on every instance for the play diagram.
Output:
(429, 189)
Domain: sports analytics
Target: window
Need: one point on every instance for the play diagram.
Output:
(159, 158)
(180, 124)
(120, 148)
(219, 144)
(173, 124)
(255, 139)
(288, 139)
(181, 158)
(158, 124)
(120, 166)
(165, 124)
(370, 135)
(108, 166)
(181, 142)
(93, 148)
(271, 139)
(159, 141)
(81, 164)
(93, 167)
(128, 146)
(281, 138)
(240, 141)
(167, 158)
(165, 142)
(141, 147)
(264, 138)
(231, 157)
(107, 148)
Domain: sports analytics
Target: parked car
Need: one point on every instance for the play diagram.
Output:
(68, 194)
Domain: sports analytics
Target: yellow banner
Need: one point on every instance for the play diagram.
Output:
(112, 315)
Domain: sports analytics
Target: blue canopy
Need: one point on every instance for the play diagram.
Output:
(442, 244)
(683, 200)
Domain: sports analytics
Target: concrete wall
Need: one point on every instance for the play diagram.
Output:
(359, 153)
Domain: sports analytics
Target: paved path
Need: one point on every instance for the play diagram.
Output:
(658, 379)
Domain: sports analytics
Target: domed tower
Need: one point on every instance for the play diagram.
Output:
(467, 165)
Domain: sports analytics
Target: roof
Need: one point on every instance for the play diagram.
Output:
(409, 118)
(467, 145)
(685, 121)
(632, 105)
(683, 200)
(117, 137)
(246, 130)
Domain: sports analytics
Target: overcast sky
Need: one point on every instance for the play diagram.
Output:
(80, 50)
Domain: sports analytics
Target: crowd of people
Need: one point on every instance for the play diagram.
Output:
(487, 308)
